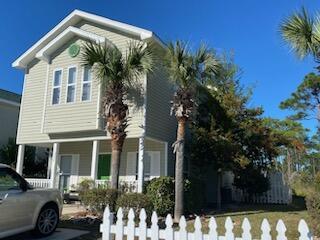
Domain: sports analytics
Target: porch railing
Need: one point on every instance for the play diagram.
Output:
(39, 182)
(126, 186)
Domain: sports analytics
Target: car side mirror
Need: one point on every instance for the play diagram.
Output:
(24, 186)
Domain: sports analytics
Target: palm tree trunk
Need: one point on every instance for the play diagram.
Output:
(179, 181)
(115, 163)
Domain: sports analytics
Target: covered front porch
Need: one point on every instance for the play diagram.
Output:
(70, 162)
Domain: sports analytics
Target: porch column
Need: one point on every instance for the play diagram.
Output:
(95, 158)
(140, 164)
(20, 158)
(54, 161)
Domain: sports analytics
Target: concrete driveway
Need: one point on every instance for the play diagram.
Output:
(60, 234)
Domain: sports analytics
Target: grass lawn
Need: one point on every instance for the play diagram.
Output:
(255, 213)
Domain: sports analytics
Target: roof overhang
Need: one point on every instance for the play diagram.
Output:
(66, 35)
(72, 19)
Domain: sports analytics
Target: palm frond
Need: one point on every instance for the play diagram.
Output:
(300, 32)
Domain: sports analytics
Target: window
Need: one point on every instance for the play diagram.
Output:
(9, 180)
(71, 88)
(57, 79)
(86, 84)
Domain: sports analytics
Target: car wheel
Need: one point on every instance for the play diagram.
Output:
(47, 221)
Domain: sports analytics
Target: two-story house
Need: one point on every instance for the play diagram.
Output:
(61, 105)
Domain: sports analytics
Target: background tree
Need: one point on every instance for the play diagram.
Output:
(186, 69)
(305, 101)
(117, 73)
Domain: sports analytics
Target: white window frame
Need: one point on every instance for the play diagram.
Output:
(72, 84)
(54, 87)
(83, 82)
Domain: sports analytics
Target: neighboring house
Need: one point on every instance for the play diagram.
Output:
(61, 105)
(9, 114)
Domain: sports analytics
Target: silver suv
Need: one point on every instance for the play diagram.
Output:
(24, 208)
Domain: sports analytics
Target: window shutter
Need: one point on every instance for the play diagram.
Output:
(131, 166)
(155, 164)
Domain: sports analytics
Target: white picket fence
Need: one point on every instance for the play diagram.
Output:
(118, 230)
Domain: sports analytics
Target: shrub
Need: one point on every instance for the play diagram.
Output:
(194, 195)
(96, 199)
(136, 201)
(161, 193)
(313, 207)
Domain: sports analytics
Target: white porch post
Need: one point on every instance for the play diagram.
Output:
(20, 158)
(49, 163)
(140, 164)
(95, 158)
(54, 161)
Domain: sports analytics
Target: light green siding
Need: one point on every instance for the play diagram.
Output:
(32, 103)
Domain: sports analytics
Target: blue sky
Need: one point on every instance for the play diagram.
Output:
(248, 28)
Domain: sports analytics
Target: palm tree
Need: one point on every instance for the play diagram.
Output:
(117, 73)
(186, 69)
(302, 32)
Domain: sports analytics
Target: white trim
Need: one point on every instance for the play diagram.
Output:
(51, 47)
(94, 159)
(12, 103)
(53, 87)
(72, 19)
(20, 159)
(98, 122)
(21, 106)
(54, 163)
(83, 82)
(72, 84)
(45, 99)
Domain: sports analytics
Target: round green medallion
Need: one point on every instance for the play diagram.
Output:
(74, 50)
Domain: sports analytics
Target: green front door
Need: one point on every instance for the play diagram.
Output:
(104, 165)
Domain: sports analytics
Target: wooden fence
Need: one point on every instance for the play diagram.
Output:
(118, 230)
(279, 192)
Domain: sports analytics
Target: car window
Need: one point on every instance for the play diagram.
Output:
(8, 181)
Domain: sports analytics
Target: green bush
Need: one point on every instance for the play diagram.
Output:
(161, 193)
(96, 199)
(136, 201)
(313, 207)
(194, 195)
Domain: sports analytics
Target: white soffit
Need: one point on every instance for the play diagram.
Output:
(72, 19)
(66, 35)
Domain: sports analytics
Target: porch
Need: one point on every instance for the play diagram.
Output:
(69, 163)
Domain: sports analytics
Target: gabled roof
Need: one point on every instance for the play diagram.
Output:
(72, 19)
(66, 35)
(10, 97)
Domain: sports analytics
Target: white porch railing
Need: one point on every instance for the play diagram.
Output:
(127, 186)
(108, 228)
(39, 182)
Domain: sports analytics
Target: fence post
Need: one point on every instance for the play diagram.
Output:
(105, 227)
(119, 225)
(213, 235)
(130, 226)
(142, 225)
(229, 229)
(182, 228)
(169, 230)
(154, 227)
(265, 228)
(246, 228)
(197, 229)
(303, 229)
(281, 230)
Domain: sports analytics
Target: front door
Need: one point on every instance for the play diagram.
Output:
(104, 166)
(65, 172)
